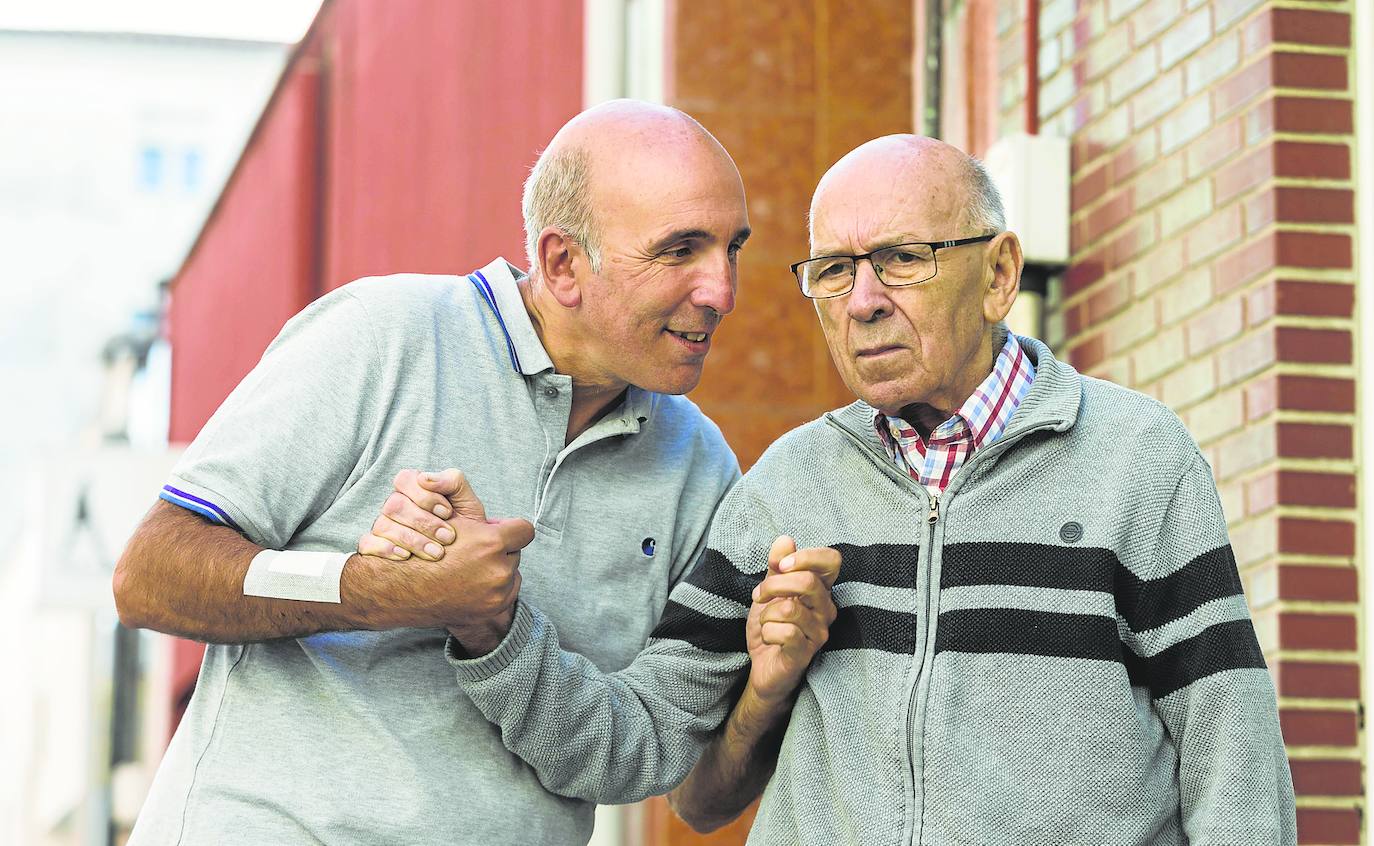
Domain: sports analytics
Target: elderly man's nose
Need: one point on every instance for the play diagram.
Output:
(869, 298)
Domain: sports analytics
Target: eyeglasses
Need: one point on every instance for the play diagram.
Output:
(897, 266)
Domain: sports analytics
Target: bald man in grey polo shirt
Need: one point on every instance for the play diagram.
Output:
(334, 717)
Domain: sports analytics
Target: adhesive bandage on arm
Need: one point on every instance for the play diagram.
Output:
(303, 576)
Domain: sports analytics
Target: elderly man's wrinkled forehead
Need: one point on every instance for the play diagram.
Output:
(892, 188)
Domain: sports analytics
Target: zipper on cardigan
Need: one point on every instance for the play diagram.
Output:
(886, 464)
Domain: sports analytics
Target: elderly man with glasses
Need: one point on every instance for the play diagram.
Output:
(1041, 634)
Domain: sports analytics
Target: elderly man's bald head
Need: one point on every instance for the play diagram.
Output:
(940, 176)
(588, 153)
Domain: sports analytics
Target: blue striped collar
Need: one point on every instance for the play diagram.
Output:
(497, 283)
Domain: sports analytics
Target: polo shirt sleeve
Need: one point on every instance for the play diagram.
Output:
(285, 442)
(1193, 642)
(620, 737)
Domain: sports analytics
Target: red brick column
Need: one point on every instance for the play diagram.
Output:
(1212, 268)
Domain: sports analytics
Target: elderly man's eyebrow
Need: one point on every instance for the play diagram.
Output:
(871, 247)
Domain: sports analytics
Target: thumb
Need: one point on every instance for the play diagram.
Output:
(781, 548)
(465, 502)
(445, 482)
(516, 534)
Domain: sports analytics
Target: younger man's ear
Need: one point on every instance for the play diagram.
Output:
(558, 257)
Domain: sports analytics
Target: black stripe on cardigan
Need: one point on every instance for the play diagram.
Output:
(707, 633)
(715, 574)
(1144, 605)
(863, 627)
(881, 564)
(1224, 646)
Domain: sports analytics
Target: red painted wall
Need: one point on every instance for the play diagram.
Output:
(437, 111)
(251, 269)
(397, 140)
(422, 118)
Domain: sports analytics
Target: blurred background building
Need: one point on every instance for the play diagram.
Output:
(114, 145)
(1217, 179)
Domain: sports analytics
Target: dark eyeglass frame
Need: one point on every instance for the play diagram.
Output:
(935, 247)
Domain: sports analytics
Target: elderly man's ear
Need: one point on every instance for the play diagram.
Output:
(1004, 276)
(556, 252)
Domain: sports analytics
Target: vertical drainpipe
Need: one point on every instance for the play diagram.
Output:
(319, 199)
(930, 105)
(1034, 279)
(1032, 67)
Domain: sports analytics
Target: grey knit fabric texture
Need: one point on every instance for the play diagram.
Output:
(1063, 656)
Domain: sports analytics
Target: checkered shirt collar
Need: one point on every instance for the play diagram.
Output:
(985, 414)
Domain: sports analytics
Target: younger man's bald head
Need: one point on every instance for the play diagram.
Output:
(587, 155)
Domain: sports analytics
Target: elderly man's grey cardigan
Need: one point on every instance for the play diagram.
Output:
(1057, 652)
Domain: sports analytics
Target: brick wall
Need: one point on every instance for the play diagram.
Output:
(1212, 265)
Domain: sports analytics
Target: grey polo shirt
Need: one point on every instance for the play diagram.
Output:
(365, 737)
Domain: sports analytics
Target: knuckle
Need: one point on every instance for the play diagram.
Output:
(394, 505)
(402, 478)
(426, 523)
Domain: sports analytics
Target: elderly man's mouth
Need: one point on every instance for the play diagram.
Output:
(877, 352)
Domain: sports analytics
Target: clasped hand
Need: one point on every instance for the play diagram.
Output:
(468, 573)
(436, 519)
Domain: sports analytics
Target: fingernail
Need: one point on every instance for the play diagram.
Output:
(786, 563)
(442, 511)
(445, 534)
(399, 554)
(434, 549)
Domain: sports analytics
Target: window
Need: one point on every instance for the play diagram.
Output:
(150, 168)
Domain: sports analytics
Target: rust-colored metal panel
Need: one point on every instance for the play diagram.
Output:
(788, 87)
(791, 89)
(663, 828)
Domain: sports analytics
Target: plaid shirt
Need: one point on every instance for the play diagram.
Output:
(978, 422)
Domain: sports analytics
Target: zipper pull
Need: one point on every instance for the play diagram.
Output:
(934, 509)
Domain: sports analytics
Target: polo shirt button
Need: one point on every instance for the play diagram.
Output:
(550, 392)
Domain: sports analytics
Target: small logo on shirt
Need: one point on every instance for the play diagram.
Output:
(1071, 532)
(647, 546)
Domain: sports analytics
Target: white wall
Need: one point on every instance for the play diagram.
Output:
(85, 232)
(89, 226)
